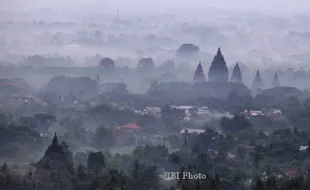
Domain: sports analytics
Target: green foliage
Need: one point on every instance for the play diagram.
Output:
(237, 154)
(144, 177)
(174, 158)
(96, 161)
(15, 138)
(236, 124)
(103, 138)
(145, 65)
(74, 128)
(151, 155)
(107, 65)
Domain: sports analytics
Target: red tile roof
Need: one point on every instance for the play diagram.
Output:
(113, 104)
(131, 126)
(291, 173)
(248, 148)
(13, 84)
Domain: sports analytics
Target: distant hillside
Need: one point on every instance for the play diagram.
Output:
(15, 85)
(187, 91)
(79, 86)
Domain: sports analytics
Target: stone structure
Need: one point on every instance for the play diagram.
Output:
(218, 70)
(55, 169)
(276, 80)
(236, 75)
(258, 83)
(199, 76)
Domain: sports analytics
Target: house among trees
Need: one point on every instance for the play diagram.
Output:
(218, 70)
(131, 126)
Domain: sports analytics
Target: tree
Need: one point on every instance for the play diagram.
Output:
(94, 184)
(151, 155)
(144, 177)
(174, 158)
(74, 128)
(235, 124)
(96, 161)
(271, 182)
(114, 180)
(186, 49)
(150, 178)
(168, 112)
(104, 137)
(81, 174)
(256, 157)
(146, 65)
(154, 85)
(136, 174)
(259, 185)
(292, 109)
(241, 152)
(98, 35)
(107, 65)
(168, 65)
(36, 60)
(4, 168)
(202, 162)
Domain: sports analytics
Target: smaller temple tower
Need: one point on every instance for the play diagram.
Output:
(258, 83)
(276, 80)
(199, 76)
(57, 161)
(236, 75)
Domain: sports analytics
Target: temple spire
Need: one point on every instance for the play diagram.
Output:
(219, 52)
(199, 76)
(218, 70)
(55, 139)
(258, 83)
(236, 75)
(276, 80)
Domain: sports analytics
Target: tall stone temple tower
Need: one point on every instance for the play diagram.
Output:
(218, 70)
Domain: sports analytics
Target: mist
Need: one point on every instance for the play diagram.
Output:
(106, 87)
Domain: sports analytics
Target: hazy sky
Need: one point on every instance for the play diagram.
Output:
(290, 6)
(250, 33)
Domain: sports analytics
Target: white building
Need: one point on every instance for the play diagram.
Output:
(155, 111)
(198, 131)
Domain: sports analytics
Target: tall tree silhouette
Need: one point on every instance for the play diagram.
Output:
(107, 65)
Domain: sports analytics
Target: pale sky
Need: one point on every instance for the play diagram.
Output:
(266, 5)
